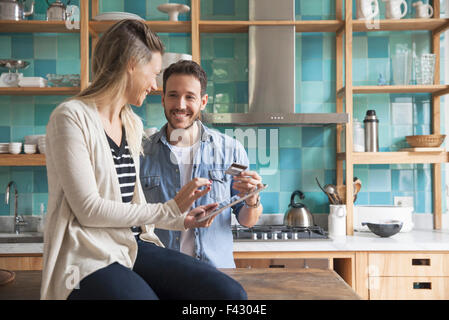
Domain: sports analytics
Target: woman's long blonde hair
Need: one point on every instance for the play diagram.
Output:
(127, 41)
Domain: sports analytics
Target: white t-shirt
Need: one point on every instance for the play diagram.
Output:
(184, 157)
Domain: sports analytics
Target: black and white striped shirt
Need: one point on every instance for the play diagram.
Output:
(124, 165)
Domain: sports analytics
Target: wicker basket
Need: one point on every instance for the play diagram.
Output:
(429, 141)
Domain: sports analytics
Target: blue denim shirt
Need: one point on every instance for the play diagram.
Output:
(159, 174)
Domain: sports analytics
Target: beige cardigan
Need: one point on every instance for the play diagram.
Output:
(87, 225)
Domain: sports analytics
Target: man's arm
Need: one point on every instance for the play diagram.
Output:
(250, 213)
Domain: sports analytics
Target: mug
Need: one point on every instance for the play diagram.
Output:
(423, 10)
(367, 9)
(393, 9)
(337, 220)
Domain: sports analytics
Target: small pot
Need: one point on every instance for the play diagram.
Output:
(297, 214)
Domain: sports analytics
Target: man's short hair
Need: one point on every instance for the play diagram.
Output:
(187, 67)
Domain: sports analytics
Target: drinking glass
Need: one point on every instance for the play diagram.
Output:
(424, 68)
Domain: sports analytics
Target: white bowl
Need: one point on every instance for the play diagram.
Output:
(167, 59)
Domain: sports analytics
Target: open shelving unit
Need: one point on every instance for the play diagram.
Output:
(343, 26)
(346, 90)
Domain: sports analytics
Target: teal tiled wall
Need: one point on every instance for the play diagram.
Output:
(302, 153)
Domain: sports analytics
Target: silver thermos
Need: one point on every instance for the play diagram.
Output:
(371, 131)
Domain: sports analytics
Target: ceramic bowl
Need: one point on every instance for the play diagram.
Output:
(384, 229)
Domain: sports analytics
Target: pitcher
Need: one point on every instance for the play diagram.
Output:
(393, 9)
(337, 220)
(367, 9)
(423, 10)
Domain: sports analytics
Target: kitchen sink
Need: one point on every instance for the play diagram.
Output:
(25, 237)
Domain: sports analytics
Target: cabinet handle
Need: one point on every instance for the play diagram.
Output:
(420, 262)
(277, 266)
(422, 285)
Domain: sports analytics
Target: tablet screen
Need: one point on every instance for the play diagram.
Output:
(231, 202)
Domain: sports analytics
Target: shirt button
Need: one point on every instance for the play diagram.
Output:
(177, 170)
(177, 238)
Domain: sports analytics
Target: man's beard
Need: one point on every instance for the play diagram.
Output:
(192, 122)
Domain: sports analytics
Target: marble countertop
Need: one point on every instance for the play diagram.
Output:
(416, 240)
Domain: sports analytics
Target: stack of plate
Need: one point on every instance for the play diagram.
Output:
(15, 147)
(116, 15)
(4, 147)
(41, 144)
(29, 148)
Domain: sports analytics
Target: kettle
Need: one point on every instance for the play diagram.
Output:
(57, 11)
(297, 214)
(14, 10)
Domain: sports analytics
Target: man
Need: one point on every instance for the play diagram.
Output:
(184, 149)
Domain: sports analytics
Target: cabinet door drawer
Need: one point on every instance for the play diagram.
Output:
(409, 288)
(408, 264)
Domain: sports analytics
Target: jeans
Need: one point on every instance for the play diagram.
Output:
(159, 273)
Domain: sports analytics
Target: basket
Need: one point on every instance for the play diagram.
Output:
(423, 141)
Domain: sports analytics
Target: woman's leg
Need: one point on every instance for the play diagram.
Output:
(114, 282)
(174, 275)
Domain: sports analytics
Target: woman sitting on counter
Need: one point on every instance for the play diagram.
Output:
(93, 148)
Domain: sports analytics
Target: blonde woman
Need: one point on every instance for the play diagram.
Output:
(93, 148)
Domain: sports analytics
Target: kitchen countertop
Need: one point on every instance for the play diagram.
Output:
(416, 240)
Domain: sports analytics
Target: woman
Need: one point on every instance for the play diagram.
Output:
(93, 147)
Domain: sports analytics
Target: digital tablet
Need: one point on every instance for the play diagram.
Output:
(231, 202)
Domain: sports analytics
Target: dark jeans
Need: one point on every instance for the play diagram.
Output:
(159, 273)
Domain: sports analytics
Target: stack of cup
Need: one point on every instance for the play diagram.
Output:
(15, 147)
(4, 147)
(29, 148)
(41, 144)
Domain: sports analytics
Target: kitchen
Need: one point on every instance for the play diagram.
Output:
(293, 157)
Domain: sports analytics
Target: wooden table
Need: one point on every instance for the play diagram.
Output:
(260, 284)
(292, 284)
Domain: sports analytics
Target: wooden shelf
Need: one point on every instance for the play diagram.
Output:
(96, 27)
(17, 160)
(218, 26)
(437, 25)
(35, 26)
(47, 91)
(396, 157)
(436, 90)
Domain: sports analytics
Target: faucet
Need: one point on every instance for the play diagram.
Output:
(18, 220)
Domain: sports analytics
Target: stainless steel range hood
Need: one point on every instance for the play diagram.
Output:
(271, 80)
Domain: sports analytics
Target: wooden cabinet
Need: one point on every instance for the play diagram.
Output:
(21, 262)
(400, 276)
(373, 275)
(409, 288)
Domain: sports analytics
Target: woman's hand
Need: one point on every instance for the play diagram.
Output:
(191, 220)
(190, 192)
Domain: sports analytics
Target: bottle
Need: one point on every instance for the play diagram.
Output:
(358, 137)
(371, 131)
